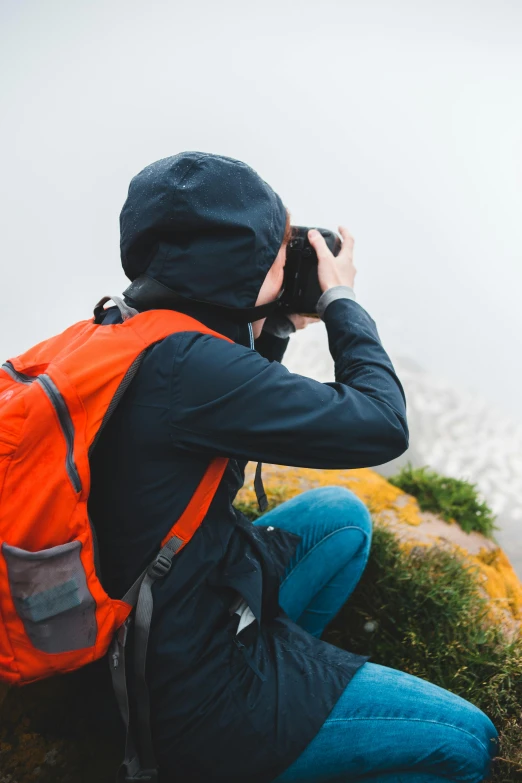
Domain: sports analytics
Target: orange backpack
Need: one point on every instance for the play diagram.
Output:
(54, 613)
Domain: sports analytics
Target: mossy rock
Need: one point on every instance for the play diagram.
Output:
(393, 508)
(434, 600)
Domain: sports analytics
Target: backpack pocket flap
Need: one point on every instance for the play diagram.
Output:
(51, 597)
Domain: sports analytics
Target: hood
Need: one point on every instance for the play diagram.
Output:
(205, 226)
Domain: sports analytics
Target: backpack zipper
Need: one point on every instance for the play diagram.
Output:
(67, 427)
(17, 376)
(64, 417)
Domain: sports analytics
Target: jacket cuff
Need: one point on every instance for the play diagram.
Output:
(279, 325)
(329, 296)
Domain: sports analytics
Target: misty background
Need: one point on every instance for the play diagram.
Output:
(401, 120)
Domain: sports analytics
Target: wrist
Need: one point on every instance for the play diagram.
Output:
(333, 293)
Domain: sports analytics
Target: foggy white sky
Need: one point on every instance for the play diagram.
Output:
(402, 120)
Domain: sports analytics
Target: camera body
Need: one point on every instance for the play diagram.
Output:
(301, 289)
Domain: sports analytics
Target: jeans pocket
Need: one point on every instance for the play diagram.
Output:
(51, 597)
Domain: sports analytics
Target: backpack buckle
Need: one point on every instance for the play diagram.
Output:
(161, 566)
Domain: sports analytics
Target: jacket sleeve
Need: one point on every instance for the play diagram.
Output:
(270, 346)
(229, 400)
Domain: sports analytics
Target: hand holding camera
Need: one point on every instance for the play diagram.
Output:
(316, 261)
(333, 269)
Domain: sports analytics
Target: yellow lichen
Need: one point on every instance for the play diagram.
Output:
(502, 583)
(379, 495)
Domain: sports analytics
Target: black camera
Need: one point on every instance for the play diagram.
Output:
(301, 289)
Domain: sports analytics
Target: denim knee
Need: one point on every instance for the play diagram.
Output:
(344, 508)
(471, 754)
(318, 513)
(484, 760)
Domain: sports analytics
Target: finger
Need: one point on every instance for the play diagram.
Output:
(347, 237)
(348, 243)
(318, 243)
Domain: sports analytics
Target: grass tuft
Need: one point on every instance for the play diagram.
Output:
(455, 500)
(422, 612)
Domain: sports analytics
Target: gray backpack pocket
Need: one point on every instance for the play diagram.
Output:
(50, 594)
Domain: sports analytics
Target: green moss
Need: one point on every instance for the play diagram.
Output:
(448, 497)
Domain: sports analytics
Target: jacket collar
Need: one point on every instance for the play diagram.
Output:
(240, 333)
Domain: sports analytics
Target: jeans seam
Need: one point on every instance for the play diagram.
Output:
(416, 720)
(322, 541)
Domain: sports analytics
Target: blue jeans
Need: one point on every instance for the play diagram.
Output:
(387, 726)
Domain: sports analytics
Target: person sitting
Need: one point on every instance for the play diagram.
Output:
(242, 686)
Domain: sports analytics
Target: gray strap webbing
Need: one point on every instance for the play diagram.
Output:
(157, 570)
(141, 765)
(125, 310)
(130, 766)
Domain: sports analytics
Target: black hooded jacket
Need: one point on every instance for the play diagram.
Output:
(209, 227)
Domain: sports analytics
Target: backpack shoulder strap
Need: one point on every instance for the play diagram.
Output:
(139, 763)
(142, 765)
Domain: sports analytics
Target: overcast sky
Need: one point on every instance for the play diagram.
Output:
(402, 120)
